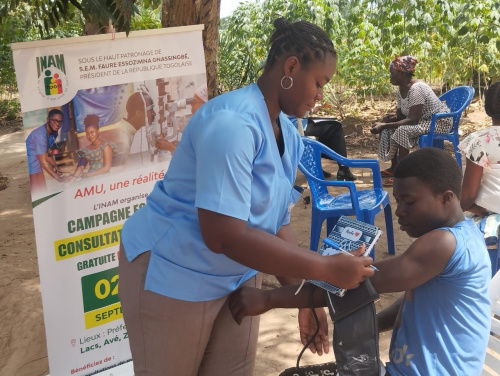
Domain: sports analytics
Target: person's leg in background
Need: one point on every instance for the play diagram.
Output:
(330, 133)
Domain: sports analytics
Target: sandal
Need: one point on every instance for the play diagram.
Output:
(386, 174)
(388, 183)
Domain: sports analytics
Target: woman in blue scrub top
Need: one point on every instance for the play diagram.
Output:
(221, 214)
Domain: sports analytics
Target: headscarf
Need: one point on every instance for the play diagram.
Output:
(404, 64)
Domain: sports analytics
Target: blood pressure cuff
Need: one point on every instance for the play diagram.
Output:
(355, 334)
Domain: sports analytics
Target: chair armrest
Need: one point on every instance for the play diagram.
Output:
(440, 115)
(372, 164)
(331, 183)
(334, 183)
(357, 163)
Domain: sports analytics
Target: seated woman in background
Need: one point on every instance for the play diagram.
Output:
(416, 103)
(481, 185)
(98, 155)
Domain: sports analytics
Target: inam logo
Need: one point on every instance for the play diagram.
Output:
(52, 81)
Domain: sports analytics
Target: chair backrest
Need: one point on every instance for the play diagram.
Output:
(492, 361)
(311, 161)
(457, 99)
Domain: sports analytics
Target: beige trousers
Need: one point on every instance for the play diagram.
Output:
(181, 338)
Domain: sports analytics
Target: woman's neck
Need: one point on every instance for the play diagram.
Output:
(268, 90)
(406, 84)
(404, 87)
(97, 142)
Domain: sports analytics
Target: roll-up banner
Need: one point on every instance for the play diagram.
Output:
(102, 116)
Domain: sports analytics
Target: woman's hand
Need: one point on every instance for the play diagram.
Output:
(269, 254)
(348, 272)
(377, 128)
(389, 118)
(247, 301)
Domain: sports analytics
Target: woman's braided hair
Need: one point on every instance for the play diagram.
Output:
(302, 39)
(492, 101)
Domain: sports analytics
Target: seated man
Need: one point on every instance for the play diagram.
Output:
(441, 325)
(330, 133)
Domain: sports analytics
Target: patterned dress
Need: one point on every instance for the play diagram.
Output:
(95, 157)
(407, 135)
(483, 148)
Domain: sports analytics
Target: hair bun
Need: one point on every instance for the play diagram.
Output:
(282, 24)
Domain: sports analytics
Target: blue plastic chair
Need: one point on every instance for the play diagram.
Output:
(457, 99)
(364, 204)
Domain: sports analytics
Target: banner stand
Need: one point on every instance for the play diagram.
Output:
(102, 116)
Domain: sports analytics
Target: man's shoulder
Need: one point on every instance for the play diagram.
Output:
(36, 133)
(462, 232)
(123, 126)
(470, 251)
(440, 238)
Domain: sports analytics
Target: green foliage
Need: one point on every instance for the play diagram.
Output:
(456, 42)
(244, 35)
(12, 29)
(146, 18)
(50, 14)
(9, 109)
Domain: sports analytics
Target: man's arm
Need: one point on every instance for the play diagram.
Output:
(387, 317)
(49, 165)
(423, 260)
(307, 323)
(163, 144)
(248, 301)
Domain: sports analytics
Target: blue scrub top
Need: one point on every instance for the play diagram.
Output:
(38, 142)
(227, 162)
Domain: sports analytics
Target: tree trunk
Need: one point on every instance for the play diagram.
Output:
(207, 12)
(91, 26)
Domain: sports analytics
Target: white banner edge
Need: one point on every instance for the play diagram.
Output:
(100, 37)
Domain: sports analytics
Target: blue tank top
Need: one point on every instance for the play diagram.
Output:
(445, 327)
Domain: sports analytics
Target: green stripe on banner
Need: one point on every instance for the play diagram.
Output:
(43, 199)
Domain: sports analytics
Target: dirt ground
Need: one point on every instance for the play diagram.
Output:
(22, 334)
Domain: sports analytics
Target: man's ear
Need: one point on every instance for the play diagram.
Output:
(447, 197)
(292, 64)
(139, 114)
